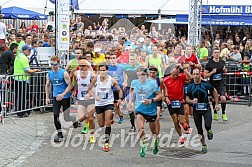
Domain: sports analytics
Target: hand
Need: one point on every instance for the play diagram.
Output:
(191, 63)
(59, 97)
(74, 94)
(119, 102)
(194, 101)
(214, 70)
(37, 70)
(217, 108)
(124, 85)
(97, 98)
(168, 102)
(147, 101)
(47, 101)
(87, 96)
(130, 106)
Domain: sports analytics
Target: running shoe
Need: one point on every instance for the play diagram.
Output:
(216, 117)
(188, 131)
(58, 138)
(182, 140)
(121, 120)
(106, 147)
(224, 117)
(85, 130)
(132, 129)
(91, 139)
(112, 119)
(155, 149)
(204, 149)
(210, 135)
(75, 124)
(143, 151)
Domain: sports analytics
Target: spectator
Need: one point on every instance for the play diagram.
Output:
(203, 52)
(2, 32)
(7, 59)
(35, 26)
(20, 41)
(72, 25)
(224, 51)
(235, 55)
(80, 25)
(22, 26)
(22, 70)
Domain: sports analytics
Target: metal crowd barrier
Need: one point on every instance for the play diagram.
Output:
(22, 93)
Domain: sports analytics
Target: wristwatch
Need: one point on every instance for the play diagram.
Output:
(152, 100)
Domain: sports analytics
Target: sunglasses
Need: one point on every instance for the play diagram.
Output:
(82, 65)
(107, 57)
(54, 64)
(112, 58)
(103, 70)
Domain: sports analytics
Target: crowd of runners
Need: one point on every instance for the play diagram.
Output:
(106, 84)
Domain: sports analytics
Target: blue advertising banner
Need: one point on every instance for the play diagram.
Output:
(227, 10)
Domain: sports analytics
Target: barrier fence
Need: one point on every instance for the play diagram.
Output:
(22, 93)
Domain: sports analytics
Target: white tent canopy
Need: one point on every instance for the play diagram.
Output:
(34, 5)
(167, 7)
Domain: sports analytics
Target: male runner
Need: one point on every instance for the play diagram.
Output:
(174, 96)
(214, 70)
(86, 107)
(61, 95)
(104, 100)
(197, 94)
(147, 93)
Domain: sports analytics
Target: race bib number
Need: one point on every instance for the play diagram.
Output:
(175, 104)
(201, 106)
(102, 95)
(83, 93)
(141, 97)
(217, 77)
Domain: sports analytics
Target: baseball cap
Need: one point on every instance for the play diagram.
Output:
(141, 39)
(97, 50)
(170, 69)
(154, 40)
(26, 47)
(142, 69)
(153, 68)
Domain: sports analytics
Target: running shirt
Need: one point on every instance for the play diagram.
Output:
(193, 58)
(104, 91)
(145, 90)
(83, 84)
(156, 62)
(58, 81)
(175, 87)
(217, 78)
(199, 91)
(130, 71)
(116, 72)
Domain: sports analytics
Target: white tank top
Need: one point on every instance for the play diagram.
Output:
(104, 92)
(83, 85)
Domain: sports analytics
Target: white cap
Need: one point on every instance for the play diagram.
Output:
(141, 39)
(97, 50)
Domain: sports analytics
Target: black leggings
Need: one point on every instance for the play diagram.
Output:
(66, 109)
(197, 116)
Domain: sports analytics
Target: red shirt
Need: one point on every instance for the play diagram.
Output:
(124, 58)
(36, 27)
(175, 87)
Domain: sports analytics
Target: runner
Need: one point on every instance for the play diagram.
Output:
(197, 94)
(174, 96)
(61, 95)
(187, 107)
(86, 109)
(153, 74)
(104, 100)
(116, 72)
(129, 75)
(147, 93)
(214, 70)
